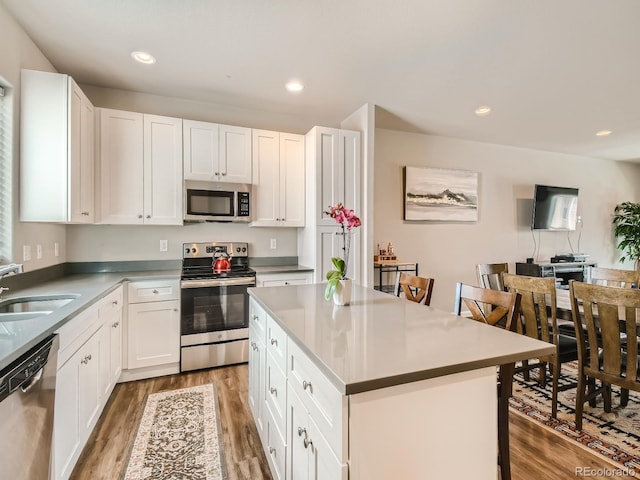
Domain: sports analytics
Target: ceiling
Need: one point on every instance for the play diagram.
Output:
(553, 72)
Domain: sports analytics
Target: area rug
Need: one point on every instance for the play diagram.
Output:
(179, 437)
(614, 436)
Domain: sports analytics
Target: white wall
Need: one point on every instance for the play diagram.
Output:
(449, 252)
(17, 51)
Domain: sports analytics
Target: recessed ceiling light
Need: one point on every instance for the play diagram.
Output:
(603, 133)
(294, 86)
(143, 57)
(482, 111)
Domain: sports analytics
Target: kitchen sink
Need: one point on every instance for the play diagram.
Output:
(36, 305)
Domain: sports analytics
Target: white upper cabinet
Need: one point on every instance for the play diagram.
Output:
(56, 150)
(278, 179)
(336, 155)
(216, 153)
(141, 168)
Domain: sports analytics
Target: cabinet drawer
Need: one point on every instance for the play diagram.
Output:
(111, 303)
(325, 404)
(275, 449)
(277, 343)
(76, 332)
(276, 393)
(153, 291)
(258, 320)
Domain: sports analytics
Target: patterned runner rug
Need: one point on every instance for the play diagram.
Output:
(179, 437)
(615, 436)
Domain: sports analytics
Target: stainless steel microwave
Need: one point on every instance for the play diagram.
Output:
(217, 202)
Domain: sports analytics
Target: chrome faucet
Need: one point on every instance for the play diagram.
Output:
(11, 268)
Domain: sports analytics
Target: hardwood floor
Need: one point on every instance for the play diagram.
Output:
(536, 453)
(107, 452)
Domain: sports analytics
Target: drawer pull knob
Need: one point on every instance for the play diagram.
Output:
(115, 324)
(273, 391)
(274, 341)
(86, 359)
(272, 450)
(155, 291)
(306, 385)
(255, 317)
(115, 302)
(307, 443)
(301, 431)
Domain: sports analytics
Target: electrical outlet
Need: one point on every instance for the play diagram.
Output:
(56, 249)
(26, 253)
(164, 245)
(274, 244)
(38, 252)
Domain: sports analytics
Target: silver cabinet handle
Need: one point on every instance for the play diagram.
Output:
(306, 385)
(255, 317)
(139, 216)
(115, 302)
(155, 291)
(301, 431)
(273, 391)
(224, 174)
(216, 173)
(274, 341)
(307, 443)
(115, 325)
(272, 450)
(86, 359)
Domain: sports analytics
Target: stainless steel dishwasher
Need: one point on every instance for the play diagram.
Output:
(27, 394)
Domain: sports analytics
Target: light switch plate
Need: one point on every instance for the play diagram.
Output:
(274, 243)
(38, 252)
(164, 245)
(26, 253)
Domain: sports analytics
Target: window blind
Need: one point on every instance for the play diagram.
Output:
(5, 175)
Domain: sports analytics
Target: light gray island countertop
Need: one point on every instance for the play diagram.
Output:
(381, 341)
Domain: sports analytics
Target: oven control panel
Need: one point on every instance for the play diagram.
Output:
(203, 250)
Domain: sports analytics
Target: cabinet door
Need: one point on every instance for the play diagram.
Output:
(162, 170)
(292, 180)
(266, 179)
(330, 244)
(81, 157)
(256, 379)
(349, 154)
(115, 358)
(235, 154)
(121, 167)
(153, 333)
(89, 379)
(201, 150)
(329, 173)
(67, 442)
(323, 464)
(297, 438)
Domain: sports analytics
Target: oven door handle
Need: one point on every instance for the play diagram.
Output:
(249, 281)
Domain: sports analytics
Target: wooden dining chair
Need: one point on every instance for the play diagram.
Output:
(417, 289)
(506, 308)
(613, 277)
(602, 310)
(538, 319)
(490, 275)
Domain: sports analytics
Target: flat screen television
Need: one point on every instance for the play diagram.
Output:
(554, 208)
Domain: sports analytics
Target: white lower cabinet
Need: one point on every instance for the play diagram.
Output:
(300, 415)
(86, 377)
(153, 327)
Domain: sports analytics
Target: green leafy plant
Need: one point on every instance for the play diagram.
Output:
(626, 221)
(347, 220)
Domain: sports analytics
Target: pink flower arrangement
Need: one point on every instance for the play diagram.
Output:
(347, 220)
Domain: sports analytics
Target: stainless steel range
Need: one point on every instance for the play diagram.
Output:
(214, 318)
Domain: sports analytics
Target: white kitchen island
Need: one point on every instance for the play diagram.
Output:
(381, 389)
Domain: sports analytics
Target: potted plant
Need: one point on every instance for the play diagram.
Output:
(339, 286)
(626, 221)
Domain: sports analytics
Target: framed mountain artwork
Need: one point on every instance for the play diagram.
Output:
(438, 194)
